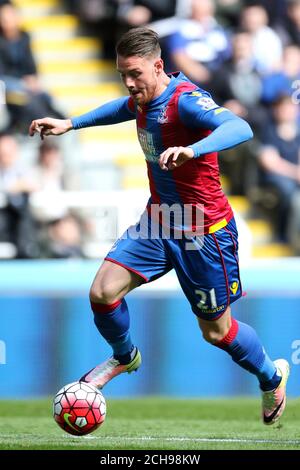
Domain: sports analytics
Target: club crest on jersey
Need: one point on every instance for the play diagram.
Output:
(163, 118)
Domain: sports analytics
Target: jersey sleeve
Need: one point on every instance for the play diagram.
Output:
(119, 110)
(197, 109)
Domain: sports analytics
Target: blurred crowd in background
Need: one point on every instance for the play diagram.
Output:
(247, 54)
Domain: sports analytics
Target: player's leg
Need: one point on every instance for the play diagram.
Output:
(242, 343)
(131, 262)
(209, 277)
(244, 346)
(112, 282)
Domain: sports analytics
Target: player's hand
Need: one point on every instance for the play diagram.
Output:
(50, 126)
(174, 157)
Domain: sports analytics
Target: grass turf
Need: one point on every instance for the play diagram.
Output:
(154, 423)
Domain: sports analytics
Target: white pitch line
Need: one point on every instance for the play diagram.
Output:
(40, 440)
(204, 439)
(196, 439)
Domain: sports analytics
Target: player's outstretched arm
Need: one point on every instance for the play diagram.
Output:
(113, 112)
(50, 126)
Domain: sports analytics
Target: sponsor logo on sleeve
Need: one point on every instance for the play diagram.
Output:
(207, 103)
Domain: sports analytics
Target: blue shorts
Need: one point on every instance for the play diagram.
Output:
(207, 268)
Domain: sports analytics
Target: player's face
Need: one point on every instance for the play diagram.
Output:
(141, 75)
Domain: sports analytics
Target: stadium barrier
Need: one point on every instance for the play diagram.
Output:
(50, 338)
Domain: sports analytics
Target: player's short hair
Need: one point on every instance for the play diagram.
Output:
(141, 42)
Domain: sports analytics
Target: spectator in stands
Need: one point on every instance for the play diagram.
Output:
(201, 45)
(280, 158)
(100, 19)
(48, 180)
(47, 174)
(267, 46)
(282, 81)
(239, 86)
(63, 238)
(229, 12)
(289, 26)
(140, 12)
(110, 18)
(16, 223)
(25, 96)
(276, 9)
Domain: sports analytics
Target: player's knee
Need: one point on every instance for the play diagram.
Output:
(215, 330)
(213, 336)
(103, 294)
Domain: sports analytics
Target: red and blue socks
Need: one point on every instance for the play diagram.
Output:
(112, 322)
(245, 348)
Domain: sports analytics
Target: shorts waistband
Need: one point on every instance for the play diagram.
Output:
(221, 224)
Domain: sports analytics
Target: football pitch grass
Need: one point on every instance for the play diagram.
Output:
(153, 423)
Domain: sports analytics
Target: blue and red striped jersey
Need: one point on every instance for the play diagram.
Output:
(183, 115)
(160, 124)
